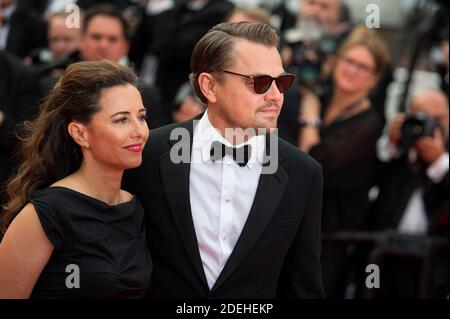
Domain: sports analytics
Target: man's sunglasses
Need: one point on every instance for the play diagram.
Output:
(262, 83)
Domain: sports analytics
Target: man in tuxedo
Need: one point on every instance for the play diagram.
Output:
(232, 213)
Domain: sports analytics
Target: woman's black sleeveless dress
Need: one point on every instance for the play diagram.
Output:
(100, 250)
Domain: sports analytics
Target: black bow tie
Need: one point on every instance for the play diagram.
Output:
(241, 155)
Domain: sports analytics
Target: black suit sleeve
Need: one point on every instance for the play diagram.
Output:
(301, 275)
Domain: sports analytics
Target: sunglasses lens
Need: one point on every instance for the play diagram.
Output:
(284, 82)
(262, 84)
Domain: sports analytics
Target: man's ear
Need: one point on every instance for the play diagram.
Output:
(79, 134)
(207, 84)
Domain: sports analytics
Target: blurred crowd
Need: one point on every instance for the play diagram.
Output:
(382, 174)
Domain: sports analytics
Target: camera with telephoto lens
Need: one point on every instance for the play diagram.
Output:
(415, 126)
(308, 58)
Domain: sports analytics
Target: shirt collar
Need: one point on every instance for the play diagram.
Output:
(205, 134)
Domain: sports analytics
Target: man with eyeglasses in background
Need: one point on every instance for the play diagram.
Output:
(220, 225)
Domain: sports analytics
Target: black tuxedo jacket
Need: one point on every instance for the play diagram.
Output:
(398, 182)
(278, 251)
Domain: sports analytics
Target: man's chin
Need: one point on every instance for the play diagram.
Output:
(267, 128)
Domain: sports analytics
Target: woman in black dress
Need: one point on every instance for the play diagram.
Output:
(69, 229)
(340, 132)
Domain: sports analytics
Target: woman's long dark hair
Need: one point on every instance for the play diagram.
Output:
(48, 152)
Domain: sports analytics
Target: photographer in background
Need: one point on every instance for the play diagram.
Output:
(308, 50)
(413, 194)
(413, 199)
(322, 25)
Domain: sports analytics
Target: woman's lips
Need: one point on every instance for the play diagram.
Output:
(134, 148)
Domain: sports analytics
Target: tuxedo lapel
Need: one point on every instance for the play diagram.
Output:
(175, 177)
(268, 195)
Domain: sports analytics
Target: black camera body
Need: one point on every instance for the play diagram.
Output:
(308, 58)
(415, 126)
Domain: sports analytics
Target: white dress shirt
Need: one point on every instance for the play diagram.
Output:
(414, 220)
(221, 196)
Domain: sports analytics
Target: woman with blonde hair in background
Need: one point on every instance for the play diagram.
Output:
(340, 131)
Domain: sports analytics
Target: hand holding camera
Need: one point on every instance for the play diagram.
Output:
(430, 149)
(419, 131)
